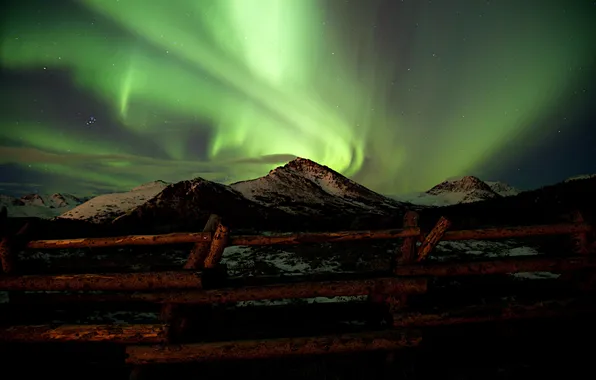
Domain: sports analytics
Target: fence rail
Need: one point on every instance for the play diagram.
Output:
(303, 238)
(411, 275)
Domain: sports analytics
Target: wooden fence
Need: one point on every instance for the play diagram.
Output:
(199, 283)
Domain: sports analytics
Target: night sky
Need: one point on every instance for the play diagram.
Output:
(102, 95)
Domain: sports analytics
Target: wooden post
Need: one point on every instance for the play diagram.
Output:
(579, 240)
(405, 255)
(433, 238)
(582, 244)
(218, 245)
(9, 246)
(6, 255)
(176, 316)
(408, 248)
(173, 315)
(199, 251)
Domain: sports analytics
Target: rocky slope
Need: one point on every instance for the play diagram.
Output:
(301, 195)
(306, 188)
(466, 189)
(549, 204)
(39, 205)
(106, 207)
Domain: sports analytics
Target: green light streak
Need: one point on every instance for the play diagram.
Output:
(284, 77)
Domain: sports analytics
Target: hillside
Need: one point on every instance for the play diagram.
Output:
(466, 189)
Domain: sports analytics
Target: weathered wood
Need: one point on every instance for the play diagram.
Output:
(300, 238)
(272, 348)
(520, 231)
(496, 312)
(6, 255)
(218, 245)
(118, 333)
(510, 265)
(579, 240)
(9, 245)
(433, 238)
(106, 281)
(407, 256)
(249, 293)
(323, 237)
(408, 248)
(200, 251)
(176, 238)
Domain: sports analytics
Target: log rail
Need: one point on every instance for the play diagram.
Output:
(410, 275)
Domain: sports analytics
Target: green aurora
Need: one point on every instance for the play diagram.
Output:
(263, 81)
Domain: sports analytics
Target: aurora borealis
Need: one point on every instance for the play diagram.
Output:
(102, 95)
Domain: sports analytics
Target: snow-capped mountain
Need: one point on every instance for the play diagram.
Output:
(301, 194)
(502, 188)
(39, 205)
(580, 177)
(108, 206)
(467, 189)
(306, 188)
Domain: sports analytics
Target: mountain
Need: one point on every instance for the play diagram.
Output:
(106, 207)
(548, 204)
(502, 188)
(580, 177)
(304, 187)
(39, 205)
(466, 189)
(301, 195)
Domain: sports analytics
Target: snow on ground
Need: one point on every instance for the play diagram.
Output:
(125, 317)
(45, 206)
(580, 177)
(449, 250)
(108, 206)
(252, 261)
(35, 211)
(291, 261)
(536, 275)
(289, 301)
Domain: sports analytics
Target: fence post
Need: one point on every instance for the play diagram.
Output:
(218, 245)
(580, 240)
(5, 253)
(200, 250)
(433, 238)
(408, 248)
(406, 254)
(582, 244)
(9, 246)
(176, 316)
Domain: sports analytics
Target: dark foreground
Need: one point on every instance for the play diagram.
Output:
(512, 350)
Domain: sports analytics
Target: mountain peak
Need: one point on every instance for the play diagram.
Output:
(462, 184)
(303, 186)
(153, 184)
(304, 165)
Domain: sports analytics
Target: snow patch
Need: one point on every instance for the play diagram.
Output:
(536, 275)
(247, 260)
(289, 301)
(580, 177)
(109, 206)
